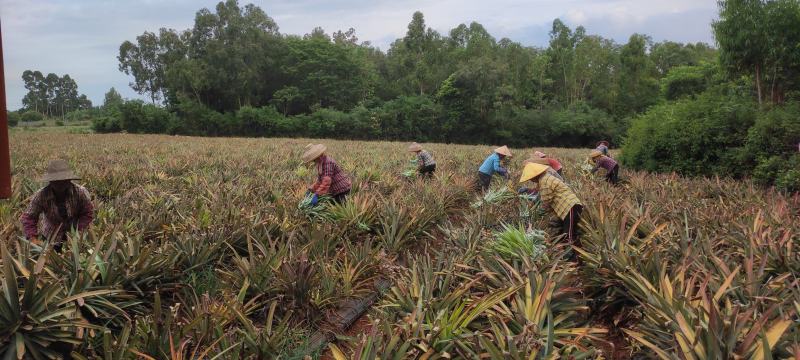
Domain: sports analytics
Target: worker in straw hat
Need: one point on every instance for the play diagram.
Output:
(493, 165)
(426, 164)
(546, 162)
(552, 162)
(557, 198)
(601, 161)
(62, 207)
(331, 180)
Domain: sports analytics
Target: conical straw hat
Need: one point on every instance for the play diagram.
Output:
(414, 147)
(313, 152)
(531, 171)
(58, 170)
(595, 153)
(503, 150)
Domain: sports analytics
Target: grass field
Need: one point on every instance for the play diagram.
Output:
(199, 248)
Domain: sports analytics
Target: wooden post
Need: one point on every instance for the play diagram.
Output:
(5, 155)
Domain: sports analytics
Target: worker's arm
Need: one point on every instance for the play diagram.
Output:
(326, 177)
(499, 168)
(30, 217)
(87, 210)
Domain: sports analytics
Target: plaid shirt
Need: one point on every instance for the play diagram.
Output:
(556, 195)
(44, 210)
(424, 158)
(604, 162)
(331, 180)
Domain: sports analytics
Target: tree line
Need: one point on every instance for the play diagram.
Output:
(234, 73)
(51, 95)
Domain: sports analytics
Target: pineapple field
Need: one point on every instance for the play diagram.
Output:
(206, 248)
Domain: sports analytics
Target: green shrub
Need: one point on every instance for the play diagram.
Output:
(106, 124)
(31, 116)
(700, 136)
(139, 117)
(772, 146)
(59, 123)
(683, 81)
(13, 118)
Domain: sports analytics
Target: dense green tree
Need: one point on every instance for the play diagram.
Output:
(233, 71)
(52, 95)
(638, 85)
(760, 38)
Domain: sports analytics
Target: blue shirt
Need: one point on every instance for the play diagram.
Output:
(492, 165)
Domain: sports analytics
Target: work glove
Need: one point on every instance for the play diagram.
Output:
(308, 192)
(315, 200)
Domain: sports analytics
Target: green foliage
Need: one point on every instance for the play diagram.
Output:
(31, 116)
(772, 145)
(52, 95)
(683, 81)
(13, 118)
(138, 117)
(224, 75)
(700, 136)
(760, 38)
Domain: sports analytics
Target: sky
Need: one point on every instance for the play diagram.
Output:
(82, 37)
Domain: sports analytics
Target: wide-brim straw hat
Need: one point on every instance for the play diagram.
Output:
(313, 152)
(595, 153)
(539, 154)
(58, 170)
(531, 171)
(503, 150)
(414, 147)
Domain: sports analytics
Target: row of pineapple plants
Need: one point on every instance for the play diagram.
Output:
(201, 250)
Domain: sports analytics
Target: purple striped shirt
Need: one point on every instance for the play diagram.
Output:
(604, 162)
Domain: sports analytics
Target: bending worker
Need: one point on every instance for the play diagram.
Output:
(605, 162)
(557, 198)
(61, 205)
(331, 180)
(426, 164)
(493, 165)
(553, 162)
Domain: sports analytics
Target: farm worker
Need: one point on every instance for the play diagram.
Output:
(426, 164)
(557, 198)
(491, 166)
(61, 205)
(602, 147)
(331, 180)
(601, 161)
(546, 162)
(554, 163)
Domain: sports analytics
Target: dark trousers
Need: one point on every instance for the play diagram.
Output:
(613, 175)
(340, 198)
(569, 225)
(427, 171)
(484, 181)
